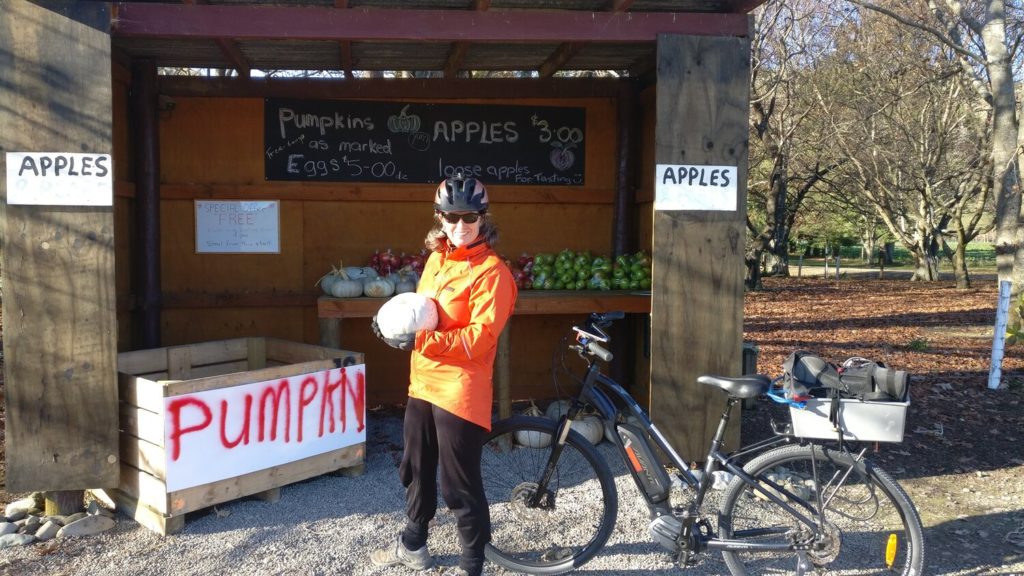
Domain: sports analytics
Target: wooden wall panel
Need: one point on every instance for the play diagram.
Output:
(697, 283)
(59, 316)
(212, 140)
(192, 325)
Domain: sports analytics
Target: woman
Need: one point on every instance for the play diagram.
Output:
(449, 408)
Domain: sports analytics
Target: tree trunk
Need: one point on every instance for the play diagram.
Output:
(752, 280)
(1006, 182)
(963, 278)
(926, 267)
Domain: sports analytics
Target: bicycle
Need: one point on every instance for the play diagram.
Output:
(795, 505)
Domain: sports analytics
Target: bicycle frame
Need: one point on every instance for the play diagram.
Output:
(601, 393)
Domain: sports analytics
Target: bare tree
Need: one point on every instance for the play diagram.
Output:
(786, 164)
(982, 38)
(905, 127)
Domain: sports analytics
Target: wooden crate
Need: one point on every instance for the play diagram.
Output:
(206, 423)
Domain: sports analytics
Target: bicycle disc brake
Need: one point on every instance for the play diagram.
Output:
(521, 497)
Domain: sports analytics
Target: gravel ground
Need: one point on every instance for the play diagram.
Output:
(328, 525)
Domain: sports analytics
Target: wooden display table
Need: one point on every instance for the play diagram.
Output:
(530, 302)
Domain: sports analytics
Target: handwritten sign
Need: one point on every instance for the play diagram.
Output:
(681, 187)
(230, 226)
(374, 141)
(59, 179)
(228, 432)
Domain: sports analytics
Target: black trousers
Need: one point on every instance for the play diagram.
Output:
(434, 436)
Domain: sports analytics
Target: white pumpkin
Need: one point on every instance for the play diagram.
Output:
(557, 409)
(378, 287)
(326, 282)
(405, 280)
(533, 438)
(590, 426)
(343, 287)
(357, 272)
(406, 313)
(338, 284)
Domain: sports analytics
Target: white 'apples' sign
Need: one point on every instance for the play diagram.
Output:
(682, 187)
(59, 179)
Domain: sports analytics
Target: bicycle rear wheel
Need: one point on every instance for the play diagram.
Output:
(870, 522)
(572, 521)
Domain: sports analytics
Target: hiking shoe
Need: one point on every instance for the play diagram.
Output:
(399, 554)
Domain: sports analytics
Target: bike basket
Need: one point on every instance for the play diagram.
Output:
(865, 421)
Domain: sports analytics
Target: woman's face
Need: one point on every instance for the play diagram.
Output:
(460, 233)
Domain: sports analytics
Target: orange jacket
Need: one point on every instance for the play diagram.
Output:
(452, 367)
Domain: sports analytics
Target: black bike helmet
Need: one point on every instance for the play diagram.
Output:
(461, 194)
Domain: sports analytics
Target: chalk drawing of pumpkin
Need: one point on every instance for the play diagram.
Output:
(562, 157)
(404, 123)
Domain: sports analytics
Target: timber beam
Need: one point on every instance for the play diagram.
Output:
(136, 19)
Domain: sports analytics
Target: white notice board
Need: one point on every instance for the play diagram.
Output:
(238, 226)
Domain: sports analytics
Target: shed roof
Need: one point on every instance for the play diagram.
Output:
(422, 38)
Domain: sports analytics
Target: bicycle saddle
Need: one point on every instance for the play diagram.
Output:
(740, 386)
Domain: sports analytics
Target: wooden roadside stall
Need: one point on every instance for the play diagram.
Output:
(257, 144)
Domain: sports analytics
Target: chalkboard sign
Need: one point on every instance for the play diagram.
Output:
(374, 141)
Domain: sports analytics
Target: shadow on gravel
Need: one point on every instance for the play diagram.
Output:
(982, 545)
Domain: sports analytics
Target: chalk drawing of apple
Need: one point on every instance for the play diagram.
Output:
(562, 157)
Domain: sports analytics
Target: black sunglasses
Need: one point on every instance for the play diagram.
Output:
(453, 218)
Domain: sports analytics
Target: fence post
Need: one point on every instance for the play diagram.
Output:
(999, 335)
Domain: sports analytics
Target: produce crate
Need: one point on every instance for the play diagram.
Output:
(860, 420)
(206, 423)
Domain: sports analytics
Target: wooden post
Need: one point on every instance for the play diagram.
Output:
(60, 324)
(624, 223)
(146, 125)
(697, 289)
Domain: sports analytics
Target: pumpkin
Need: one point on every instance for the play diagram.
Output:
(326, 282)
(406, 313)
(355, 272)
(533, 438)
(345, 287)
(378, 287)
(590, 426)
(338, 284)
(405, 280)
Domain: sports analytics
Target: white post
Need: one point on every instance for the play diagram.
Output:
(999, 337)
(800, 266)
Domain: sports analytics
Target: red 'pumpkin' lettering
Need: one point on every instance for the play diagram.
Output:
(327, 401)
(305, 400)
(174, 411)
(283, 390)
(358, 392)
(243, 436)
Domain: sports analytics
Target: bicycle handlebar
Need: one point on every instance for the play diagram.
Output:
(593, 333)
(599, 351)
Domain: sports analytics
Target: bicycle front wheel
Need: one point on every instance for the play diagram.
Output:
(870, 525)
(571, 520)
